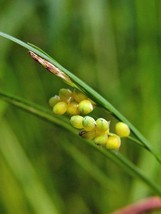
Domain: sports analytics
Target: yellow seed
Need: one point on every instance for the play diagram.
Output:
(113, 142)
(78, 96)
(98, 133)
(54, 100)
(65, 94)
(122, 129)
(101, 139)
(76, 121)
(88, 135)
(60, 108)
(72, 108)
(85, 107)
(89, 123)
(102, 125)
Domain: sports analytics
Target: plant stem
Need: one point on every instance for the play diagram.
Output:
(87, 89)
(117, 158)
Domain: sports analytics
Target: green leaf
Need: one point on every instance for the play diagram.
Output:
(36, 110)
(91, 93)
(117, 158)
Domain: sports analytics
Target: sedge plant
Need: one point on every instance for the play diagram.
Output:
(78, 102)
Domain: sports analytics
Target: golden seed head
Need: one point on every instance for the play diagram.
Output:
(54, 100)
(89, 123)
(98, 133)
(65, 94)
(89, 135)
(102, 125)
(85, 107)
(113, 142)
(101, 139)
(122, 129)
(60, 108)
(76, 121)
(78, 96)
(72, 108)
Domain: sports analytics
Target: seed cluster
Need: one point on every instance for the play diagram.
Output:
(71, 102)
(77, 105)
(96, 130)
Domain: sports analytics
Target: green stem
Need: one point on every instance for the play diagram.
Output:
(36, 110)
(117, 158)
(129, 167)
(87, 89)
(92, 93)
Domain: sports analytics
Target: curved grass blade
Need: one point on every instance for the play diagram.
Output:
(117, 158)
(39, 49)
(36, 194)
(91, 92)
(36, 110)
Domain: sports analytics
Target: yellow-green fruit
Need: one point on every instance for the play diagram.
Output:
(98, 133)
(72, 108)
(88, 135)
(54, 100)
(101, 140)
(89, 123)
(102, 125)
(85, 107)
(76, 121)
(78, 96)
(122, 129)
(65, 94)
(113, 142)
(60, 108)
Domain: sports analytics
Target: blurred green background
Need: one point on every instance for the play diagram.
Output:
(115, 47)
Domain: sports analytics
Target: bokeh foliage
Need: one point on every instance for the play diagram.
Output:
(114, 46)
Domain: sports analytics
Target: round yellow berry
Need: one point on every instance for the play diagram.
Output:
(60, 108)
(113, 142)
(101, 139)
(98, 133)
(89, 123)
(76, 121)
(54, 100)
(78, 96)
(89, 135)
(72, 108)
(65, 94)
(85, 107)
(102, 125)
(122, 129)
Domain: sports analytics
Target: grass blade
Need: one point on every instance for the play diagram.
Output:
(25, 173)
(88, 90)
(117, 158)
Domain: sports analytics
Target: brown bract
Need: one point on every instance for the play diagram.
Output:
(51, 68)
